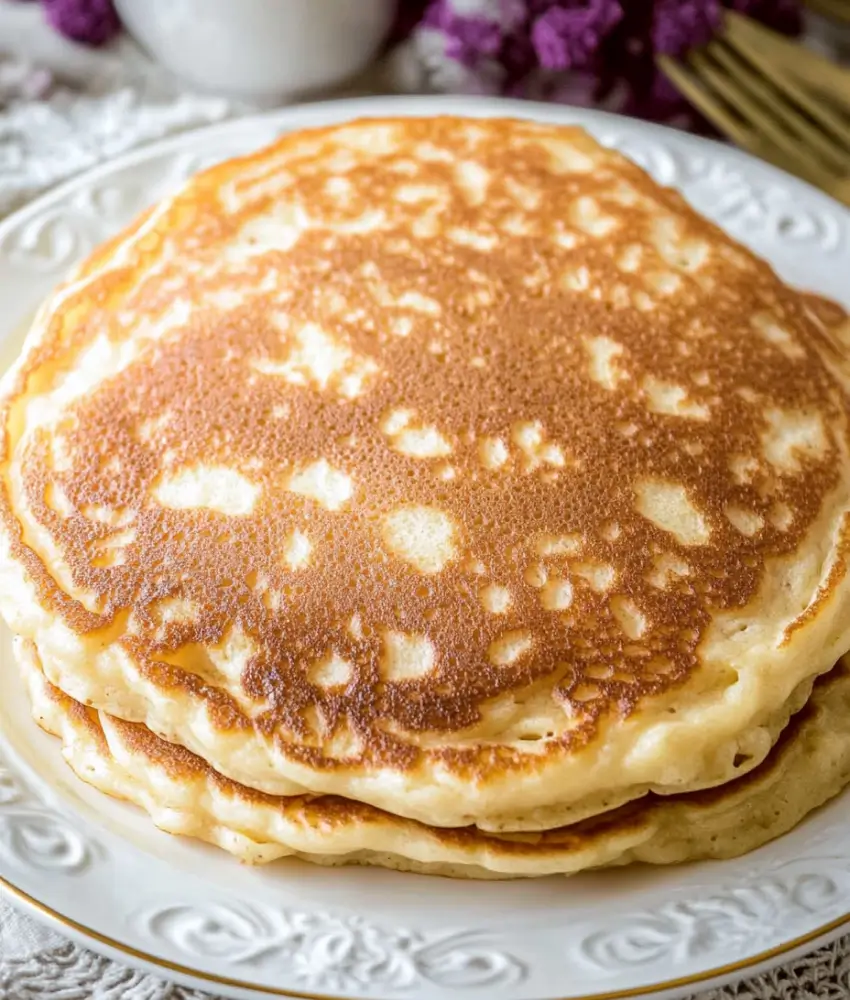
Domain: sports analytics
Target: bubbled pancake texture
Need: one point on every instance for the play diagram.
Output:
(451, 466)
(809, 765)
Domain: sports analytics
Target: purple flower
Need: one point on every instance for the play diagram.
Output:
(679, 25)
(512, 14)
(569, 37)
(93, 22)
(583, 51)
(468, 37)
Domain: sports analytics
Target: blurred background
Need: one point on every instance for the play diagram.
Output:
(84, 80)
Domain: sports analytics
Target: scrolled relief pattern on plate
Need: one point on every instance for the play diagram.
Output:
(765, 212)
(329, 952)
(184, 164)
(52, 240)
(666, 164)
(34, 835)
(769, 212)
(718, 925)
(69, 227)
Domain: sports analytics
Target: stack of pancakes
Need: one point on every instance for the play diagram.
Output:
(440, 494)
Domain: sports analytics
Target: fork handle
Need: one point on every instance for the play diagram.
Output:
(835, 10)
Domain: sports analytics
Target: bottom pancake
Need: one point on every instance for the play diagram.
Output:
(184, 795)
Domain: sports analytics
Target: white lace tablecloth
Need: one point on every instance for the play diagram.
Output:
(90, 107)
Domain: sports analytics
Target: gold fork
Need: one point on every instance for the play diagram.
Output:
(775, 98)
(836, 10)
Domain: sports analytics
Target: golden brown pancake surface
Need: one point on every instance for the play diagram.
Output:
(434, 454)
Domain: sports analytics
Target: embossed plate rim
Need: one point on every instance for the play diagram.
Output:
(759, 909)
(667, 990)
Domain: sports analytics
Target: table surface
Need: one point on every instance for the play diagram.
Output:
(98, 105)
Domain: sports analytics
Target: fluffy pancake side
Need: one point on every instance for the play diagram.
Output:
(183, 795)
(438, 464)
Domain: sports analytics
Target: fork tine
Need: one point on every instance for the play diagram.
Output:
(717, 111)
(696, 92)
(777, 72)
(835, 9)
(767, 46)
(841, 191)
(754, 113)
(773, 102)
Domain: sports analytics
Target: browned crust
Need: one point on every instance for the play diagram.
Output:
(533, 341)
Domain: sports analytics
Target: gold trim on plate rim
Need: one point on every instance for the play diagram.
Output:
(210, 977)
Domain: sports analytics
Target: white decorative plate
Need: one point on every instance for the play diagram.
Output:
(100, 870)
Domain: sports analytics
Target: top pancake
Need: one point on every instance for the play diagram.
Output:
(452, 466)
